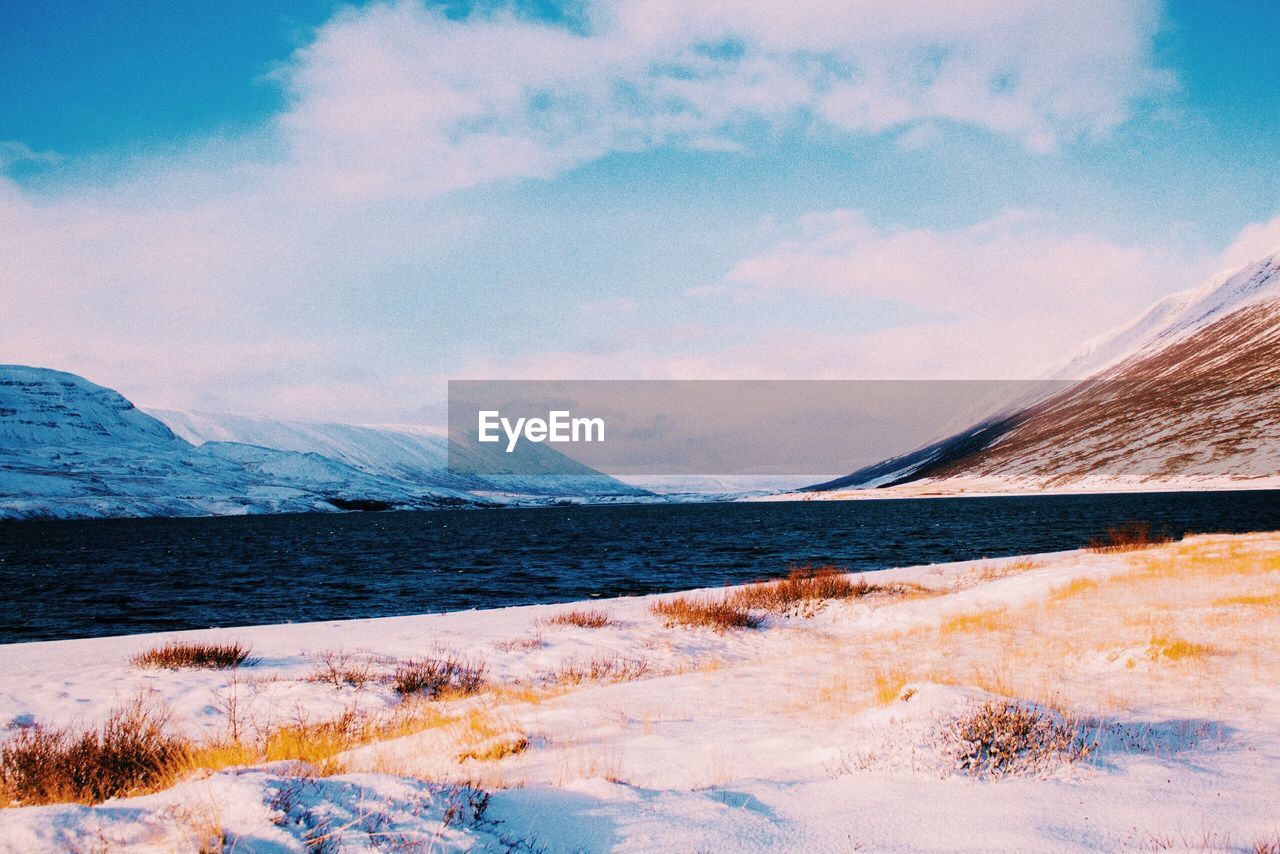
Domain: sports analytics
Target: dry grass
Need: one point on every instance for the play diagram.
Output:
(988, 620)
(1000, 739)
(319, 743)
(132, 751)
(583, 618)
(441, 674)
(1074, 587)
(602, 669)
(889, 686)
(804, 585)
(1128, 537)
(702, 612)
(177, 655)
(1176, 649)
(993, 572)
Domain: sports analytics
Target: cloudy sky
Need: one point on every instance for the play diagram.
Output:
(319, 210)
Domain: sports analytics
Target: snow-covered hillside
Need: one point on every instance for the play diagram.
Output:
(409, 453)
(70, 448)
(1142, 684)
(1188, 395)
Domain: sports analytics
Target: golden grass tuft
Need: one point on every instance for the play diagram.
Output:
(1074, 587)
(583, 618)
(178, 655)
(701, 612)
(989, 620)
(1176, 649)
(889, 685)
(803, 585)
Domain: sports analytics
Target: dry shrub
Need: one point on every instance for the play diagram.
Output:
(1128, 537)
(340, 667)
(804, 585)
(176, 655)
(1006, 738)
(610, 669)
(583, 618)
(705, 613)
(440, 674)
(131, 751)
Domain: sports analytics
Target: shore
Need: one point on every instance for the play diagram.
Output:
(834, 716)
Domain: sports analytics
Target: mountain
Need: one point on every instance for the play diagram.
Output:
(1186, 396)
(410, 454)
(70, 448)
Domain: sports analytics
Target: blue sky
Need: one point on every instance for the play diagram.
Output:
(315, 210)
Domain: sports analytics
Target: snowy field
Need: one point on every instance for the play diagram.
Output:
(837, 720)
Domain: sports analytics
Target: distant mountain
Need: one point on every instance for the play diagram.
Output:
(410, 454)
(70, 448)
(1186, 396)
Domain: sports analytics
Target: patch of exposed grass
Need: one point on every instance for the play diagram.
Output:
(702, 612)
(132, 751)
(888, 687)
(989, 620)
(1074, 587)
(1176, 649)
(583, 618)
(178, 655)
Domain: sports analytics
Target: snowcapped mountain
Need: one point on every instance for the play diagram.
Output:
(1186, 396)
(70, 448)
(412, 454)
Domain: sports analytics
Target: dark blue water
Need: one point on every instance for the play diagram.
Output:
(119, 576)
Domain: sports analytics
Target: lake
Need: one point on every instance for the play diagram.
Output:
(90, 578)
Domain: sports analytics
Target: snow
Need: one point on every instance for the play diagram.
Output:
(768, 739)
(70, 448)
(1177, 316)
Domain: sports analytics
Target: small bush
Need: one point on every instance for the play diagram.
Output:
(803, 585)
(444, 673)
(706, 613)
(1128, 537)
(582, 618)
(131, 751)
(1003, 738)
(177, 655)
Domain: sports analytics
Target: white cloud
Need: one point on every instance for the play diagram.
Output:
(183, 274)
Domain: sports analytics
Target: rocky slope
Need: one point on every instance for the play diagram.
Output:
(1187, 396)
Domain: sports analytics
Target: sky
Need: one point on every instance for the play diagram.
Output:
(324, 211)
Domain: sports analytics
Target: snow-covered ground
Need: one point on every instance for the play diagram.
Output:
(824, 729)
